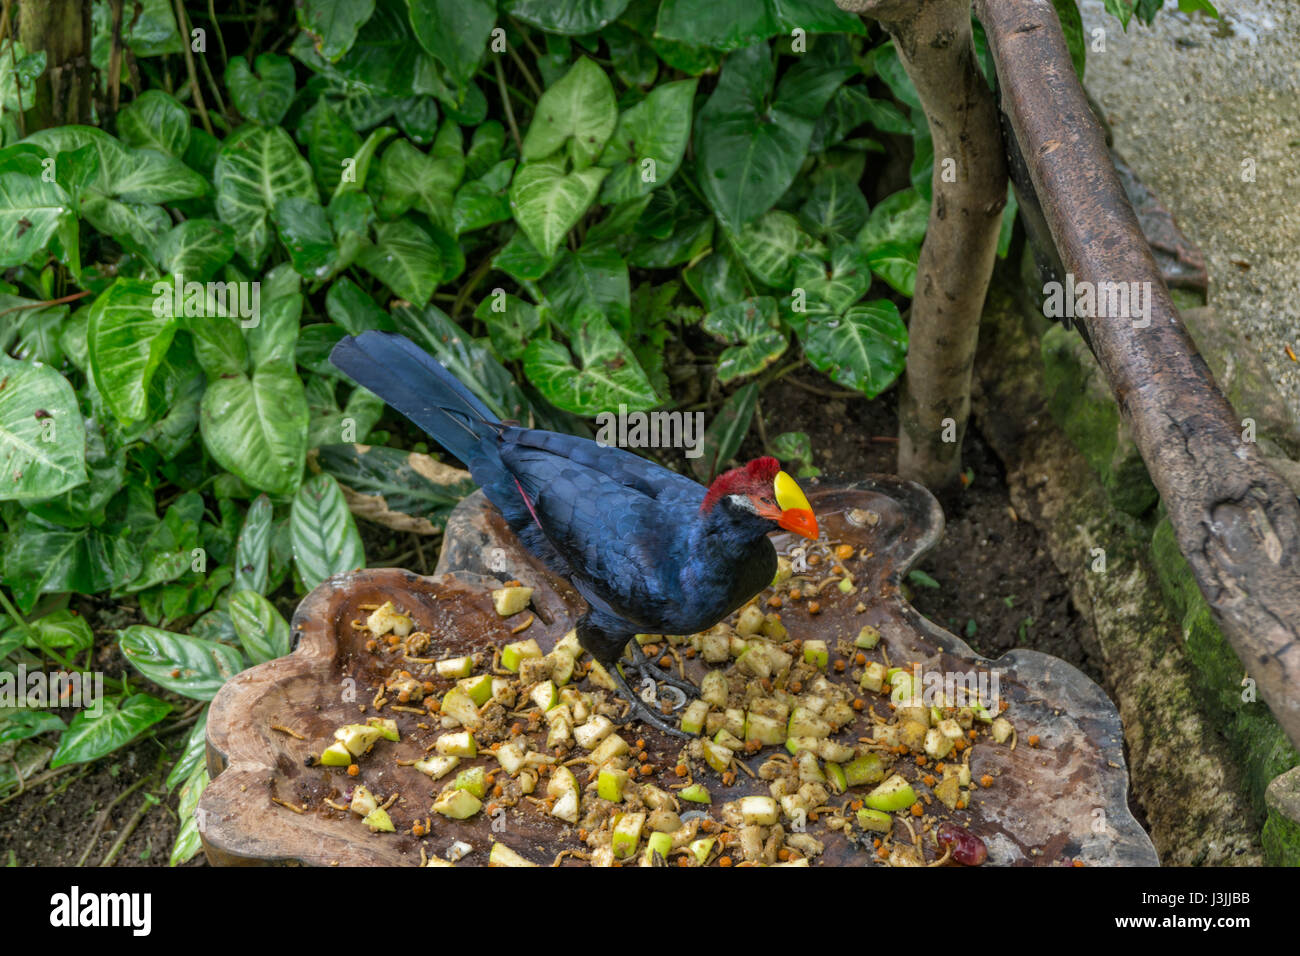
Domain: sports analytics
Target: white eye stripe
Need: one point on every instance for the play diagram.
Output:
(743, 501)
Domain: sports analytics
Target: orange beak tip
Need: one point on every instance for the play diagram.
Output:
(801, 521)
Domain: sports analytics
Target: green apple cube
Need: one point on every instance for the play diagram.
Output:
(570, 644)
(1002, 730)
(457, 745)
(335, 755)
(436, 767)
(363, 801)
(595, 730)
(784, 571)
(751, 619)
(729, 740)
(457, 804)
(816, 653)
(951, 729)
(627, 834)
(770, 707)
(358, 738)
(834, 751)
(567, 806)
(455, 667)
(478, 689)
(764, 729)
(513, 654)
(753, 661)
(868, 768)
(695, 793)
(379, 821)
(512, 600)
(545, 696)
(867, 638)
(701, 849)
(734, 722)
(713, 689)
(457, 704)
(836, 778)
(892, 795)
(561, 782)
(561, 729)
(873, 677)
(693, 716)
(717, 757)
(387, 618)
(609, 748)
(875, 820)
(937, 746)
(610, 784)
(511, 758)
(660, 843)
(599, 677)
(773, 628)
(561, 666)
(715, 646)
(797, 744)
(759, 811)
(386, 726)
(473, 779)
(804, 723)
(809, 768)
(502, 855)
(900, 687)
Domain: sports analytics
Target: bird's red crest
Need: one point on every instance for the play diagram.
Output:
(755, 477)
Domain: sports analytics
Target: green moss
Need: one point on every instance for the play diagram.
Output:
(1082, 405)
(1281, 839)
(1261, 747)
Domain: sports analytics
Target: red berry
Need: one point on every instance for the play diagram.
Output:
(967, 848)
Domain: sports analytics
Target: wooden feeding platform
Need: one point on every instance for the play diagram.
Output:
(1061, 800)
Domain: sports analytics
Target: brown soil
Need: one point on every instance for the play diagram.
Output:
(997, 587)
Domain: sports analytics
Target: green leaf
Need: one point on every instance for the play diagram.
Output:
(185, 665)
(405, 259)
(219, 346)
(355, 311)
(359, 167)
(579, 110)
(601, 374)
(196, 249)
(454, 31)
(865, 348)
(253, 548)
(42, 437)
(19, 71)
(748, 150)
(24, 724)
(899, 218)
(325, 538)
(719, 279)
(263, 633)
(511, 323)
(91, 737)
(595, 277)
(571, 17)
(189, 840)
(31, 209)
(263, 98)
(255, 169)
(1067, 11)
(274, 337)
(256, 427)
(483, 202)
(843, 284)
(896, 264)
(331, 142)
(770, 246)
(392, 480)
(305, 232)
(648, 144)
(333, 24)
(60, 629)
(547, 204)
(836, 209)
(756, 328)
(155, 120)
(723, 437)
(126, 342)
(41, 558)
(126, 175)
(520, 259)
(740, 23)
(890, 69)
(408, 178)
(192, 757)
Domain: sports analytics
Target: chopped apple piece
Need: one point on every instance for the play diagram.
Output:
(379, 821)
(457, 804)
(590, 734)
(473, 779)
(478, 689)
(513, 654)
(457, 745)
(695, 793)
(693, 716)
(509, 601)
(717, 757)
(657, 843)
(750, 621)
(456, 703)
(1002, 730)
(892, 795)
(358, 738)
(436, 767)
(868, 768)
(609, 748)
(335, 755)
(610, 784)
(816, 653)
(363, 801)
(566, 807)
(873, 677)
(455, 667)
(764, 729)
(386, 725)
(875, 820)
(713, 689)
(502, 855)
(570, 644)
(545, 696)
(867, 638)
(701, 849)
(626, 834)
(600, 677)
(387, 618)
(937, 746)
(759, 811)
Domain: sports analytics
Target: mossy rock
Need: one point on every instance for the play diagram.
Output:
(1281, 836)
(1260, 745)
(1082, 405)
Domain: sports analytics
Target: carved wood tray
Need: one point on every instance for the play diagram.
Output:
(1064, 800)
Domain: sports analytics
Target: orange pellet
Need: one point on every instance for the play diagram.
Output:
(844, 552)
(417, 830)
(427, 687)
(690, 655)
(353, 770)
(859, 703)
(796, 686)
(405, 675)
(855, 805)
(795, 594)
(917, 809)
(813, 816)
(929, 779)
(434, 705)
(683, 861)
(647, 769)
(959, 745)
(372, 645)
(404, 697)
(882, 853)
(783, 854)
(516, 728)
(814, 607)
(498, 791)
(680, 770)
(640, 743)
(961, 804)
(728, 778)
(391, 640)
(971, 733)
(920, 760)
(876, 843)
(986, 780)
(814, 559)
(938, 768)
(1033, 740)
(839, 666)
(860, 658)
(753, 746)
(724, 861)
(775, 601)
(838, 569)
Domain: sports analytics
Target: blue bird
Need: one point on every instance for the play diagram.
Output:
(651, 551)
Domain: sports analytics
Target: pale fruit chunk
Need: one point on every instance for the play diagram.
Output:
(455, 667)
(379, 821)
(759, 811)
(509, 601)
(892, 795)
(610, 784)
(513, 654)
(816, 653)
(457, 745)
(358, 738)
(502, 855)
(335, 755)
(436, 767)
(457, 804)
(626, 834)
(363, 802)
(387, 618)
(456, 703)
(693, 716)
(386, 726)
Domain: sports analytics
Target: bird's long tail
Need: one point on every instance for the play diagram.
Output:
(410, 380)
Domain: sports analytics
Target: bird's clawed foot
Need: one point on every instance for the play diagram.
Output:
(646, 712)
(644, 668)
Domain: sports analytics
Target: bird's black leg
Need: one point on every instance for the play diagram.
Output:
(646, 713)
(645, 668)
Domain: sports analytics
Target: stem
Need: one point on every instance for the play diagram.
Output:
(505, 102)
(40, 305)
(183, 23)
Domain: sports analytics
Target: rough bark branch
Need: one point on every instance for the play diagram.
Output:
(62, 29)
(1236, 521)
(933, 39)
